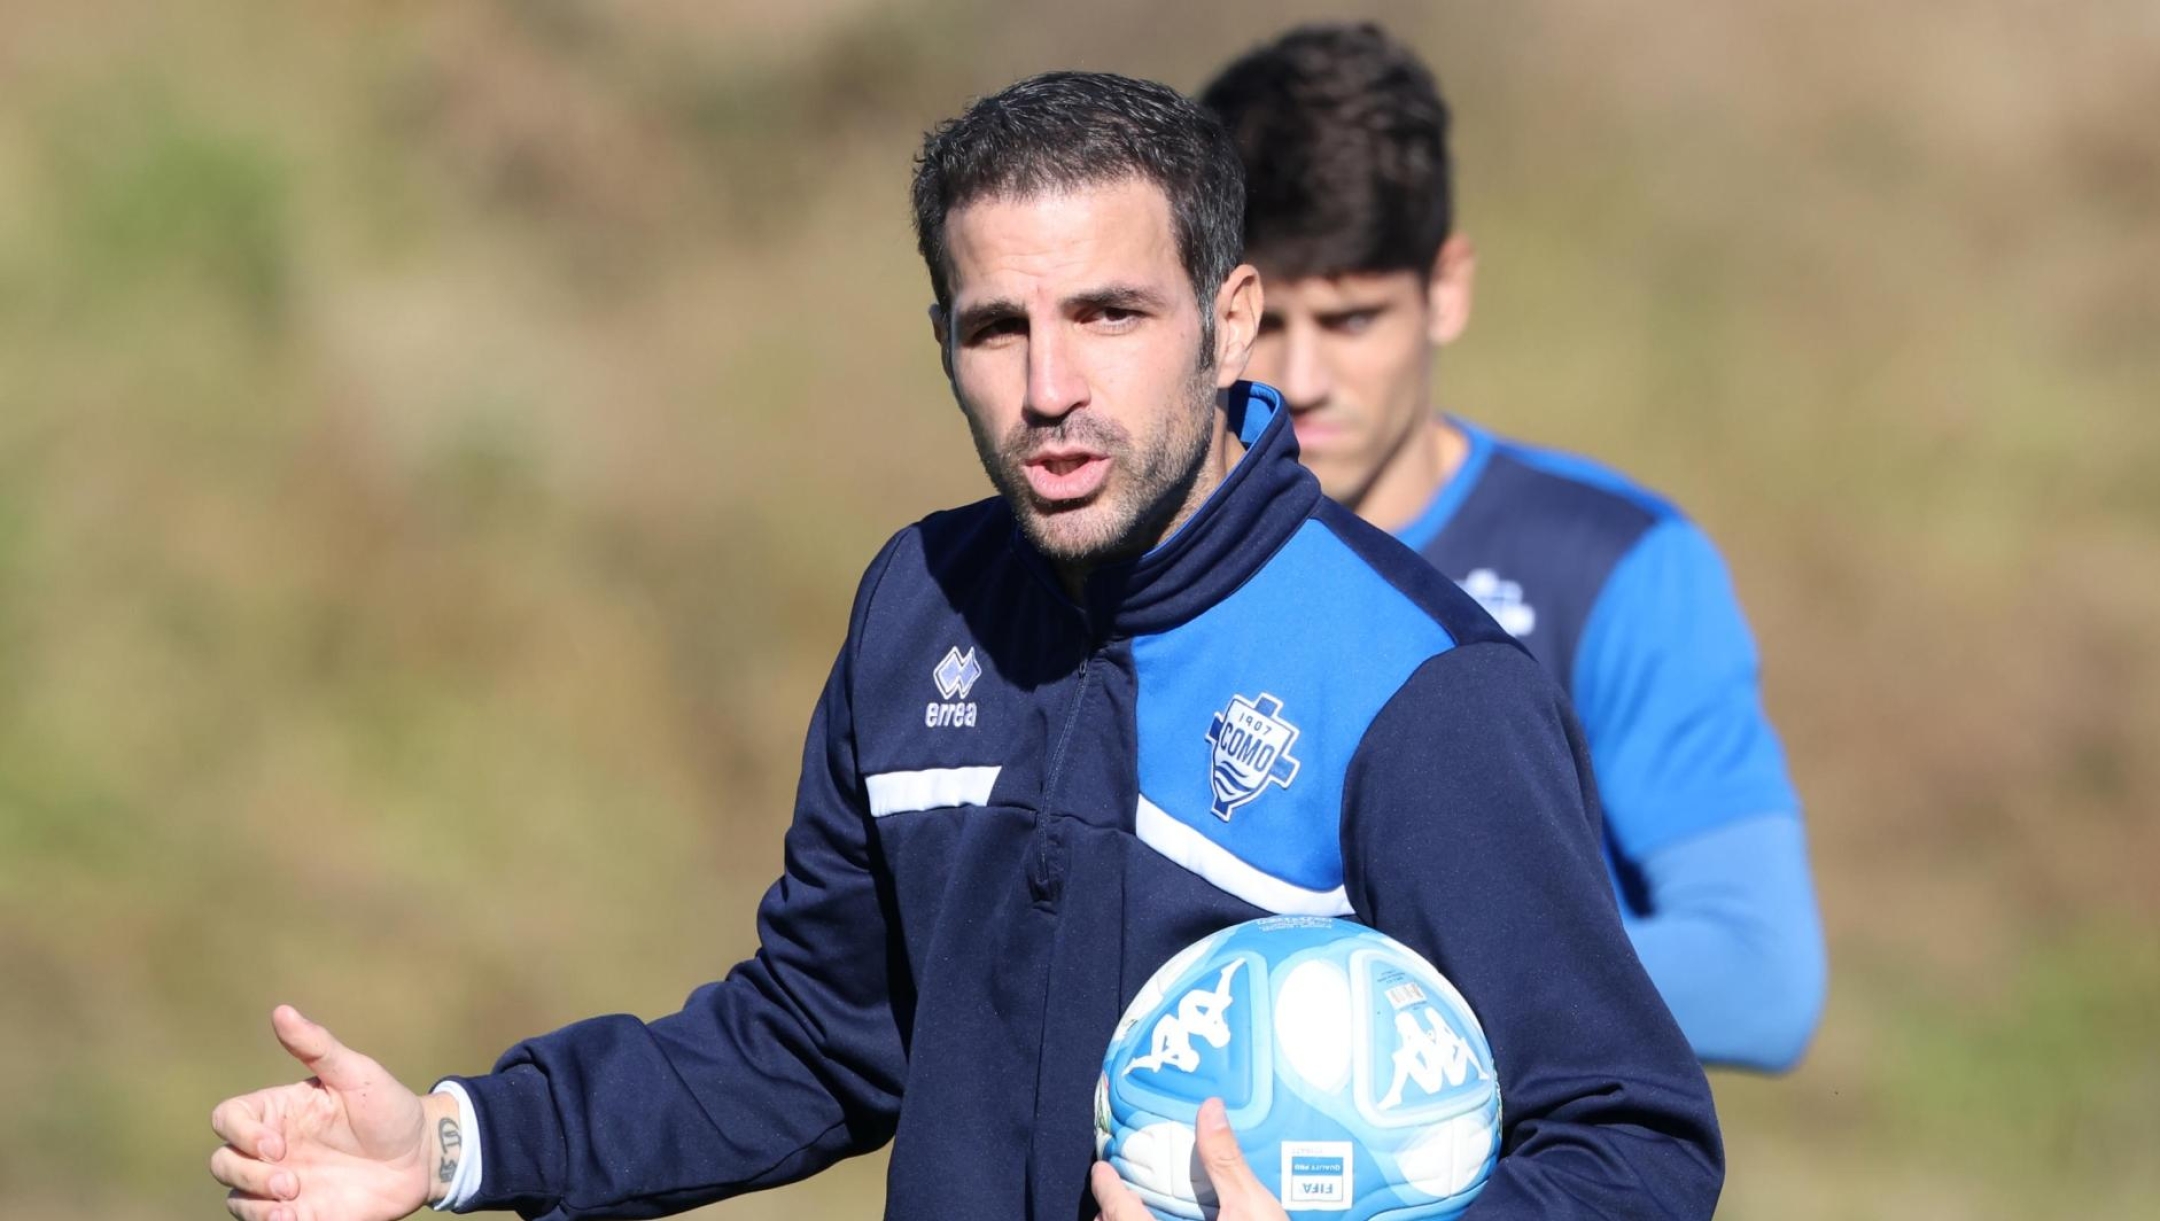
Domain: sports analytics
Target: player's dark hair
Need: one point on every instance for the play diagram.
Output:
(1344, 138)
(1062, 130)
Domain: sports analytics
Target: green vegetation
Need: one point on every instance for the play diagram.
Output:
(437, 446)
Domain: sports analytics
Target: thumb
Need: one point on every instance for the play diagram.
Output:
(337, 1065)
(1224, 1162)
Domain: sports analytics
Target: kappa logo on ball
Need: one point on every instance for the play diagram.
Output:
(1432, 1056)
(1201, 1014)
(1251, 745)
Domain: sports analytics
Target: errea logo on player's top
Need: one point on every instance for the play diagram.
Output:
(955, 677)
(1251, 748)
(1503, 600)
(956, 674)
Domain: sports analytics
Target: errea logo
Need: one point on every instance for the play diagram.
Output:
(1503, 600)
(955, 677)
(1251, 750)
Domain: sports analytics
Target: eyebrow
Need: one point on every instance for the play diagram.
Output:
(1111, 296)
(1338, 311)
(1117, 296)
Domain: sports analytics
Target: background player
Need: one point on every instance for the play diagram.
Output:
(1350, 219)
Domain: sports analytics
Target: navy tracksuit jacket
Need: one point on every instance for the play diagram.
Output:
(1014, 807)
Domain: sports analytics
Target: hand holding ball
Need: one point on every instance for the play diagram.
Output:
(1355, 1076)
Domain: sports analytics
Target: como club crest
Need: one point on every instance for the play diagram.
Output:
(1251, 745)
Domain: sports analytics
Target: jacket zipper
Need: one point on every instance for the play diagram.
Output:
(1040, 882)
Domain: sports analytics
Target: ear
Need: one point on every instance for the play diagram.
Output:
(939, 329)
(1448, 291)
(1237, 323)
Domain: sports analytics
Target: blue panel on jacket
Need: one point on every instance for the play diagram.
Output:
(1241, 778)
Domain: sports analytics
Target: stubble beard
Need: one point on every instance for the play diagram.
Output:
(1149, 489)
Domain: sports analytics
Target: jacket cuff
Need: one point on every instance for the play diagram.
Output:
(513, 1120)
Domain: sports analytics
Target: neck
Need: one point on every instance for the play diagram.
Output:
(1429, 456)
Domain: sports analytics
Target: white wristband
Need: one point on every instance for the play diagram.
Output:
(466, 1183)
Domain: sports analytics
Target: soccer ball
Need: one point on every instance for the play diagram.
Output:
(1356, 1078)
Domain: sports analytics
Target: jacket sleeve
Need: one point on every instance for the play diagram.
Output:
(1470, 833)
(792, 1062)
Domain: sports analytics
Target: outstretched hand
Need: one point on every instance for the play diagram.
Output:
(1240, 1196)
(349, 1144)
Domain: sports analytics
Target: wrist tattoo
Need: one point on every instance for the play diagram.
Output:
(446, 1135)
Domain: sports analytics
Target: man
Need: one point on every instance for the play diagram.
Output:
(1625, 601)
(1014, 804)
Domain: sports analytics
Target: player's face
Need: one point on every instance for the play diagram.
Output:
(1353, 356)
(1074, 344)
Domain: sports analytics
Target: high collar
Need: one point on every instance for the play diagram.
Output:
(1258, 505)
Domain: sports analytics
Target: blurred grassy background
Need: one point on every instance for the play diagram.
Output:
(437, 444)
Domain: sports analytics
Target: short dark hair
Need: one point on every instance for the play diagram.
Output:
(1344, 137)
(1069, 129)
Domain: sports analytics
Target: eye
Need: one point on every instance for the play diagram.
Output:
(1351, 322)
(1271, 324)
(997, 329)
(1114, 318)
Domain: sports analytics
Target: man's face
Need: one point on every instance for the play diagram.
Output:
(1074, 344)
(1353, 355)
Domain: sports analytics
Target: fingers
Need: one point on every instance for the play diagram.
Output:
(239, 1122)
(1239, 1195)
(337, 1065)
(1116, 1200)
(254, 1208)
(1235, 1186)
(250, 1176)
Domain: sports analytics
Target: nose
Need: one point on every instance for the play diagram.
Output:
(1306, 382)
(1056, 383)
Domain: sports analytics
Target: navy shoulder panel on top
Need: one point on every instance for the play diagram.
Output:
(1583, 472)
(941, 567)
(1535, 540)
(961, 543)
(956, 632)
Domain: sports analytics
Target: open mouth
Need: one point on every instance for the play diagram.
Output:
(1073, 475)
